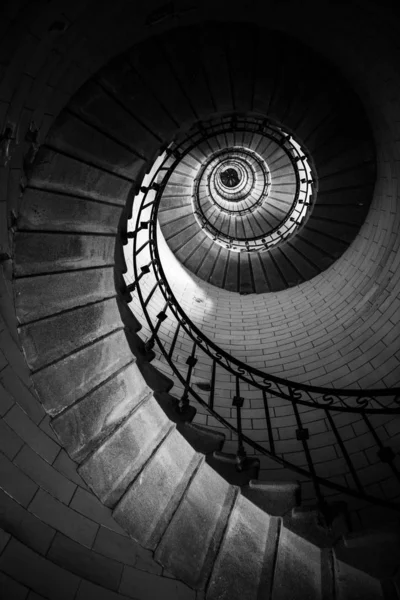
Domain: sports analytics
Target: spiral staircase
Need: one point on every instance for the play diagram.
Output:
(256, 180)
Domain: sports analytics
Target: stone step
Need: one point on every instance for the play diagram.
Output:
(170, 406)
(191, 240)
(63, 383)
(307, 522)
(376, 552)
(89, 421)
(51, 338)
(116, 462)
(318, 256)
(353, 584)
(298, 568)
(60, 173)
(75, 136)
(40, 253)
(154, 378)
(183, 62)
(372, 537)
(151, 500)
(269, 265)
(225, 464)
(301, 264)
(175, 198)
(44, 295)
(48, 211)
(125, 85)
(274, 497)
(106, 114)
(187, 235)
(245, 562)
(190, 543)
(180, 179)
(203, 439)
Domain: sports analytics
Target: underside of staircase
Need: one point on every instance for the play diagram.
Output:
(168, 481)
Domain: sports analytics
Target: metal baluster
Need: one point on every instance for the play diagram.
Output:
(143, 225)
(161, 317)
(344, 452)
(303, 435)
(149, 297)
(148, 204)
(269, 425)
(212, 390)
(238, 401)
(145, 269)
(142, 247)
(171, 350)
(154, 186)
(385, 453)
(191, 362)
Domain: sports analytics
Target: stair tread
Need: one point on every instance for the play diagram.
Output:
(306, 522)
(353, 584)
(376, 552)
(225, 464)
(84, 425)
(189, 545)
(366, 536)
(169, 404)
(68, 380)
(242, 568)
(275, 485)
(202, 438)
(298, 568)
(149, 503)
(228, 457)
(274, 497)
(115, 463)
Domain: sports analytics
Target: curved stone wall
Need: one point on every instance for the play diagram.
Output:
(56, 539)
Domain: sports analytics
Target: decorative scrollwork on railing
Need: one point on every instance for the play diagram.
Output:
(328, 399)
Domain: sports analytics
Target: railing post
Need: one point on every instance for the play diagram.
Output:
(151, 293)
(269, 426)
(344, 451)
(385, 453)
(302, 435)
(171, 350)
(133, 234)
(149, 345)
(238, 401)
(144, 270)
(212, 389)
(191, 362)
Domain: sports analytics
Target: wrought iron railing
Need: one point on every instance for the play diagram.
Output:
(300, 399)
(305, 183)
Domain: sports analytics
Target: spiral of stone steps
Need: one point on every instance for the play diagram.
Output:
(110, 411)
(187, 237)
(325, 122)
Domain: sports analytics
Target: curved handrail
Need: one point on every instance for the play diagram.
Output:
(330, 401)
(299, 161)
(255, 376)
